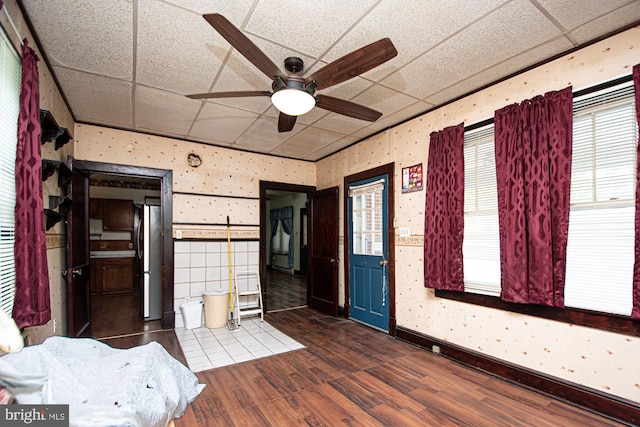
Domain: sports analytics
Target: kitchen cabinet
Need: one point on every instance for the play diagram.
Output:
(112, 275)
(116, 215)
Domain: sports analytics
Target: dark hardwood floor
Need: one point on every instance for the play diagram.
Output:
(119, 314)
(349, 374)
(285, 291)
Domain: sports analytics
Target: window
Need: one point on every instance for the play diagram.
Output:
(481, 244)
(366, 212)
(600, 248)
(9, 100)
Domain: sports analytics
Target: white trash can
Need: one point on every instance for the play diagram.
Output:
(192, 314)
(216, 308)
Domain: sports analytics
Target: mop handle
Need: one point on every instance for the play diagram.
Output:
(230, 267)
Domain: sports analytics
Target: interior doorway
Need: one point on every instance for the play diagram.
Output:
(282, 255)
(115, 248)
(125, 249)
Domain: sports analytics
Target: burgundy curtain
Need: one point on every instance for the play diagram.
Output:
(533, 169)
(32, 305)
(444, 210)
(635, 312)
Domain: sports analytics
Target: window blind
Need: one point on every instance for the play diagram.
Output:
(600, 247)
(481, 244)
(9, 100)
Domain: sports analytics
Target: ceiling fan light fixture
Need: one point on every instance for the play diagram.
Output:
(293, 102)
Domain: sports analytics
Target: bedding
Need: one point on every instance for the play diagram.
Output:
(103, 386)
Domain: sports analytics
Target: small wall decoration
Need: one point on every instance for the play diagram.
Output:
(194, 160)
(412, 178)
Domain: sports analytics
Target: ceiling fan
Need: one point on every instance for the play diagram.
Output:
(294, 95)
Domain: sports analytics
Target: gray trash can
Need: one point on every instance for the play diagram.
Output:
(216, 308)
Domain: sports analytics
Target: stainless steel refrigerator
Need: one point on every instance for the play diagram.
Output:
(150, 254)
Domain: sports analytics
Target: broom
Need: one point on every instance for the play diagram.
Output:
(232, 323)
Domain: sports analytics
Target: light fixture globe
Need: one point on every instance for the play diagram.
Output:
(293, 98)
(293, 102)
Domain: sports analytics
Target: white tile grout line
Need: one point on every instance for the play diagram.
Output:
(213, 348)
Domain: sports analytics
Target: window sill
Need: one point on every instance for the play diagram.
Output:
(607, 322)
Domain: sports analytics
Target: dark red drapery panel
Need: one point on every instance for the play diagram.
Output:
(635, 312)
(32, 304)
(444, 210)
(533, 169)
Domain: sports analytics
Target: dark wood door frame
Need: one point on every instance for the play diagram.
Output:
(387, 169)
(166, 197)
(264, 187)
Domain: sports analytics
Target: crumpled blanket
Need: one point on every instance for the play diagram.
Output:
(103, 386)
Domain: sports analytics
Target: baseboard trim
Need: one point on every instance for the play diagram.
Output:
(607, 405)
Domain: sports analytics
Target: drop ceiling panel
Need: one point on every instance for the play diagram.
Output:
(170, 57)
(598, 27)
(221, 124)
(503, 69)
(163, 112)
(86, 35)
(263, 135)
(563, 11)
(312, 139)
(83, 91)
(303, 26)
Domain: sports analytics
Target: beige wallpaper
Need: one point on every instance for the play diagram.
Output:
(51, 100)
(601, 360)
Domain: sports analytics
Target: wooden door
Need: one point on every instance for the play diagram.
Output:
(78, 269)
(323, 251)
(369, 252)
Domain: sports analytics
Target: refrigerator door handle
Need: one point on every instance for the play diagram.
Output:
(139, 239)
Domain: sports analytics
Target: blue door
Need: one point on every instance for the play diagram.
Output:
(369, 252)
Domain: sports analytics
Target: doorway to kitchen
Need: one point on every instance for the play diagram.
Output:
(122, 203)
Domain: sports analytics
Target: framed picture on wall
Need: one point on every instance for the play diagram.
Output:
(412, 178)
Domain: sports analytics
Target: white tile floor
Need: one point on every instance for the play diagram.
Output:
(212, 348)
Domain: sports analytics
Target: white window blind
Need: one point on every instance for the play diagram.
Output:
(9, 108)
(481, 244)
(600, 247)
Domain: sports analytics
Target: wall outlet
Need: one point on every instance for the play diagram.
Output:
(178, 234)
(55, 325)
(435, 349)
(395, 222)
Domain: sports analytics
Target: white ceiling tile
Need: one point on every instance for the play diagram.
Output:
(564, 11)
(384, 100)
(303, 27)
(181, 54)
(114, 107)
(331, 148)
(598, 27)
(263, 135)
(163, 112)
(503, 69)
(515, 27)
(308, 140)
(218, 123)
(91, 36)
(417, 27)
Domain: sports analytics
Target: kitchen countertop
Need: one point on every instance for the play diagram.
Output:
(112, 254)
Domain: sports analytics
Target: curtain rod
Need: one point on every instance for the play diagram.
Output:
(15, 30)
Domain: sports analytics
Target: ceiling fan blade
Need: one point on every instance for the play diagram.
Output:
(347, 108)
(286, 122)
(243, 45)
(353, 64)
(238, 94)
